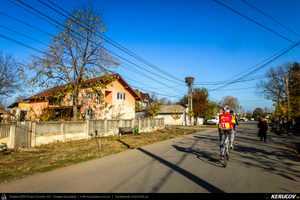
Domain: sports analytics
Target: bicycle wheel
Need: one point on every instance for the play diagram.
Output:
(225, 160)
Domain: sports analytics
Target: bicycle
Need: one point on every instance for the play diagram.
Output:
(225, 149)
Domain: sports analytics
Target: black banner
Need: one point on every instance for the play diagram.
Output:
(145, 196)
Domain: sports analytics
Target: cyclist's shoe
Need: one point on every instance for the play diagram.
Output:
(221, 157)
(231, 147)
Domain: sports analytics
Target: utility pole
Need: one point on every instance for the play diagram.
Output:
(189, 82)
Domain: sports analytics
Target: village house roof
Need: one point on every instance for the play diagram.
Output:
(52, 91)
(145, 97)
(167, 109)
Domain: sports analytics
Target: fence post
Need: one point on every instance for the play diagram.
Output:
(105, 126)
(140, 124)
(33, 134)
(29, 129)
(12, 133)
(120, 123)
(87, 128)
(62, 127)
(148, 124)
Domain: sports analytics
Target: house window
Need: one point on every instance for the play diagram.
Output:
(121, 96)
(23, 115)
(89, 95)
(89, 114)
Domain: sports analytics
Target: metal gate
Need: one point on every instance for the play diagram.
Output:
(22, 135)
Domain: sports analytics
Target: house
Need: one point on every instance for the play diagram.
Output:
(116, 101)
(19, 111)
(173, 114)
(4, 115)
(144, 101)
(142, 104)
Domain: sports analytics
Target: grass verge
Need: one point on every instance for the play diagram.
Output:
(20, 163)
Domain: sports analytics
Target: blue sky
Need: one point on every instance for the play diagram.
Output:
(196, 38)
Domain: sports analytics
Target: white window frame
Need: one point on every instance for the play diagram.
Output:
(121, 96)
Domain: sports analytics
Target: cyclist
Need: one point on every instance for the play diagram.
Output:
(225, 127)
(234, 123)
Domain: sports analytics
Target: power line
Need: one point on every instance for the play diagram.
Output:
(270, 17)
(79, 35)
(270, 61)
(138, 72)
(106, 38)
(119, 45)
(238, 89)
(66, 52)
(30, 47)
(28, 37)
(126, 77)
(177, 96)
(20, 43)
(27, 24)
(220, 82)
(265, 27)
(242, 80)
(229, 79)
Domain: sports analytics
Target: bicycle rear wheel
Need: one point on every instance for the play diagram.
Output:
(225, 159)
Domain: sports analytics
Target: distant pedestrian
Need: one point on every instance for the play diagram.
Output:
(263, 127)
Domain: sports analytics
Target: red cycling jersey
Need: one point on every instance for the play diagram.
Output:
(225, 121)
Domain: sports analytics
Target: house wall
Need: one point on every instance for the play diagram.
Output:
(35, 109)
(169, 119)
(23, 105)
(116, 108)
(124, 109)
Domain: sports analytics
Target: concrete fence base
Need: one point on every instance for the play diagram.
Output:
(31, 134)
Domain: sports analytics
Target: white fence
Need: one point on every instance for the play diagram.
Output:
(37, 133)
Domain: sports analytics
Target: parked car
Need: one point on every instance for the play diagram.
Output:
(252, 119)
(213, 121)
(243, 119)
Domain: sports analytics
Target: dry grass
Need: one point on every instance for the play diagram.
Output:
(20, 163)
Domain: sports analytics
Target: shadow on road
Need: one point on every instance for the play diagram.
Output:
(209, 187)
(277, 161)
(202, 155)
(252, 153)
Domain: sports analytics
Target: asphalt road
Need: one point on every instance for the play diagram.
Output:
(187, 164)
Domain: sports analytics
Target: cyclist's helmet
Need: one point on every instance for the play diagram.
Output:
(226, 109)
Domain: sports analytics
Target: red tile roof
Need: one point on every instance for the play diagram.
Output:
(52, 91)
(143, 96)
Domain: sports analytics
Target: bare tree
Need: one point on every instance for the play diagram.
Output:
(9, 80)
(75, 55)
(283, 88)
(232, 102)
(274, 88)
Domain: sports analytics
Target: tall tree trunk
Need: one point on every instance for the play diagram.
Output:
(75, 103)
